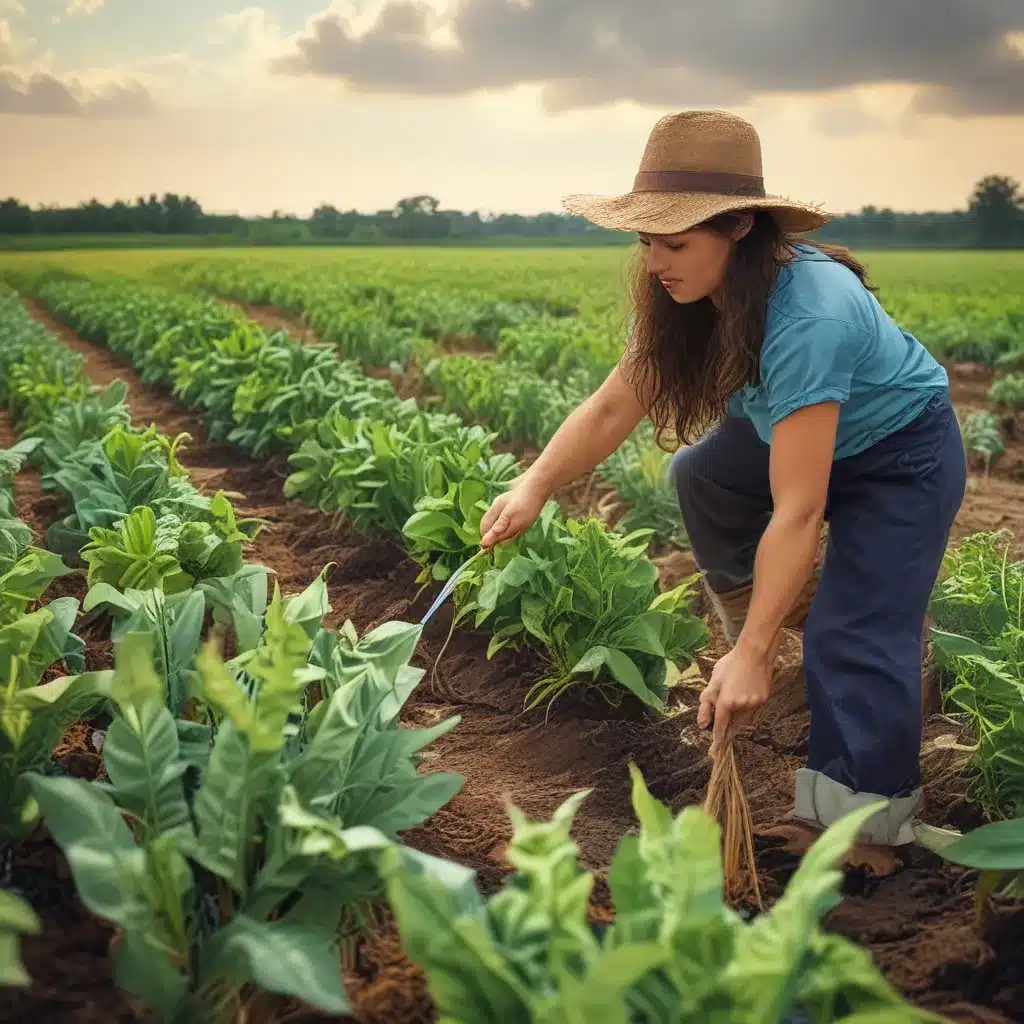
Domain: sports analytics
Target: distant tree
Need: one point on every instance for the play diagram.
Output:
(417, 217)
(996, 209)
(329, 222)
(15, 218)
(149, 214)
(182, 214)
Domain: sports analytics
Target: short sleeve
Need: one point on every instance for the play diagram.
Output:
(808, 360)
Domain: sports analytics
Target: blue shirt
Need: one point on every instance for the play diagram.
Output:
(827, 338)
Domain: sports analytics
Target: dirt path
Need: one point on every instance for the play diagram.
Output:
(918, 923)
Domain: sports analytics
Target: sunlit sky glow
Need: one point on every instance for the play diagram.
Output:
(499, 105)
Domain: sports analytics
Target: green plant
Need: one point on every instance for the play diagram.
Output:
(977, 612)
(229, 864)
(142, 552)
(17, 918)
(379, 475)
(15, 536)
(983, 437)
(676, 952)
(75, 421)
(1008, 391)
(591, 598)
(33, 717)
(26, 580)
(995, 850)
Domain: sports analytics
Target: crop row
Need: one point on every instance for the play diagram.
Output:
(291, 748)
(543, 365)
(536, 367)
(588, 596)
(252, 806)
(962, 308)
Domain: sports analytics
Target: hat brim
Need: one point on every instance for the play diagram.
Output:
(671, 213)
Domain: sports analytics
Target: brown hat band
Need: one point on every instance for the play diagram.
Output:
(719, 182)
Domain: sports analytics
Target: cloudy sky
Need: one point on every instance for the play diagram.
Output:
(499, 104)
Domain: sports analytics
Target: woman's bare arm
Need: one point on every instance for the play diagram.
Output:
(800, 466)
(588, 435)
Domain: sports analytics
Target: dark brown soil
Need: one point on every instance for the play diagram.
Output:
(918, 923)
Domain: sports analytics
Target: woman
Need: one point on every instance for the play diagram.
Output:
(820, 408)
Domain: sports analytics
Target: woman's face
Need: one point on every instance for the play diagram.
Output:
(691, 266)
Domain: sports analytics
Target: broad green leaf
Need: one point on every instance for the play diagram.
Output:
(622, 668)
(291, 959)
(443, 930)
(997, 846)
(17, 918)
(950, 645)
(309, 607)
(239, 601)
(141, 749)
(235, 781)
(598, 997)
(108, 868)
(143, 969)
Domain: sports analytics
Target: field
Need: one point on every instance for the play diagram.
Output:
(314, 815)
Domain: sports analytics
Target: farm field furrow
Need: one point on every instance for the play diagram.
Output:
(917, 924)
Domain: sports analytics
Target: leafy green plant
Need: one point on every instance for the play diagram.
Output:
(26, 581)
(76, 421)
(175, 622)
(378, 473)
(142, 552)
(591, 598)
(977, 612)
(138, 552)
(229, 867)
(32, 716)
(37, 384)
(17, 918)
(983, 437)
(676, 952)
(15, 536)
(1008, 391)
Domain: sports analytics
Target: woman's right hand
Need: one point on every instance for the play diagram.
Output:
(511, 513)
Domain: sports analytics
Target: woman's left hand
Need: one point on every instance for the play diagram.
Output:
(740, 684)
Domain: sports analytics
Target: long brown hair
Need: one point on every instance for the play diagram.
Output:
(686, 359)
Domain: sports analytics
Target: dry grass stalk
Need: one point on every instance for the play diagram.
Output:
(727, 804)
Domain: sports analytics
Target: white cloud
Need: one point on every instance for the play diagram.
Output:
(83, 7)
(263, 37)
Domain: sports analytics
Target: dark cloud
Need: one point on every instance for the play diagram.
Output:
(45, 95)
(680, 52)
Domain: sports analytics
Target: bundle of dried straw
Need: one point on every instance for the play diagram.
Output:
(727, 804)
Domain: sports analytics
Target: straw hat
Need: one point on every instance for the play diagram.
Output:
(696, 164)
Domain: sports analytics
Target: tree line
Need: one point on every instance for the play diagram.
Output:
(993, 218)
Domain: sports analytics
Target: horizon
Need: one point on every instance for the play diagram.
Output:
(498, 106)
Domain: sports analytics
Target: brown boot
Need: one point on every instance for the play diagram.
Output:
(732, 606)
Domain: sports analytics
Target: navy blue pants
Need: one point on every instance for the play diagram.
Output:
(890, 509)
